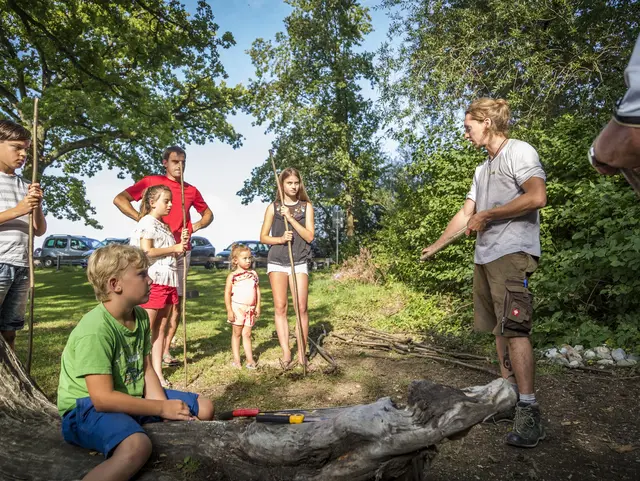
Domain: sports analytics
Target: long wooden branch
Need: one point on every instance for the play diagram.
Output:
(83, 143)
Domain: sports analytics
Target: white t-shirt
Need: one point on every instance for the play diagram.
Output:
(497, 182)
(14, 234)
(163, 270)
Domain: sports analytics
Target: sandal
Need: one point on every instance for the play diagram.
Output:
(235, 365)
(166, 384)
(251, 367)
(169, 360)
(286, 365)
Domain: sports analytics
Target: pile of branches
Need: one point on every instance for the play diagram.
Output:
(403, 344)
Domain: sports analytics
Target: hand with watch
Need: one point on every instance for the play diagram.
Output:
(617, 147)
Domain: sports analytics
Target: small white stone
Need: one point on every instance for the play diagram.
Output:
(574, 364)
(563, 350)
(603, 352)
(589, 354)
(618, 354)
(551, 353)
(560, 360)
(606, 362)
(579, 348)
(626, 363)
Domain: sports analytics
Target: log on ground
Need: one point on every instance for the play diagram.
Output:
(379, 441)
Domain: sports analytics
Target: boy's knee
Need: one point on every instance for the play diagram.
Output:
(205, 409)
(136, 449)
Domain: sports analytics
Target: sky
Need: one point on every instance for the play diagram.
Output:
(216, 169)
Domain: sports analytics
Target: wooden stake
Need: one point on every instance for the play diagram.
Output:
(299, 336)
(32, 278)
(184, 280)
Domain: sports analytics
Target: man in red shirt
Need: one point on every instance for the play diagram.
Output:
(174, 161)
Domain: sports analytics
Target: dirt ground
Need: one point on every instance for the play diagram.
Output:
(593, 421)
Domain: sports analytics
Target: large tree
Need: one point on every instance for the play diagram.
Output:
(308, 92)
(547, 57)
(118, 81)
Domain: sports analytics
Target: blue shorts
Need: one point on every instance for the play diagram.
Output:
(102, 432)
(14, 288)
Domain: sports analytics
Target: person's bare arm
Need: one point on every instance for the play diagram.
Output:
(205, 221)
(258, 299)
(307, 232)
(153, 252)
(265, 238)
(617, 146)
(29, 204)
(534, 197)
(106, 399)
(457, 222)
(227, 297)
(152, 387)
(123, 202)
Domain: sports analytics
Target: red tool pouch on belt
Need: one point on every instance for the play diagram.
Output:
(518, 308)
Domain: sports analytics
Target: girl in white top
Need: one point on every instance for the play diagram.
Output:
(154, 237)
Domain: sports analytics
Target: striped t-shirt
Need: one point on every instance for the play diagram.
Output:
(14, 234)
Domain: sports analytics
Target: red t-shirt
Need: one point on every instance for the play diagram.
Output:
(192, 198)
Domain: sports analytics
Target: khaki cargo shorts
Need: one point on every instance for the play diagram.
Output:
(502, 302)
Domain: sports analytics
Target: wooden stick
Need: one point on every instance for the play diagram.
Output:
(32, 277)
(300, 335)
(184, 279)
(454, 237)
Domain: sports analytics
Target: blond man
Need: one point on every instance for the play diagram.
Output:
(502, 208)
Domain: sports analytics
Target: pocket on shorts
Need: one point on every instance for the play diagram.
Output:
(518, 309)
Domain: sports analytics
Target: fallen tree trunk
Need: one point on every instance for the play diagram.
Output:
(376, 441)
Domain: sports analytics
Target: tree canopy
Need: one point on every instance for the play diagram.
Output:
(118, 82)
(308, 90)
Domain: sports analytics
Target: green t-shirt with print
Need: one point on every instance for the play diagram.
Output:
(101, 345)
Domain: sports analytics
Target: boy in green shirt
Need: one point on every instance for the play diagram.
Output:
(108, 387)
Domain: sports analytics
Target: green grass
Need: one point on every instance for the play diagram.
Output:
(63, 297)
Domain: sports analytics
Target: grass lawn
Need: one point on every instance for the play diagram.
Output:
(63, 297)
(578, 409)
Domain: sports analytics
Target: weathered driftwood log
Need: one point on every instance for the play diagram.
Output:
(375, 441)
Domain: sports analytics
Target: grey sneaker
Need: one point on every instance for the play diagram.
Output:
(527, 429)
(501, 417)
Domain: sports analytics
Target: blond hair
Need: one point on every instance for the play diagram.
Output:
(236, 250)
(284, 175)
(495, 109)
(111, 261)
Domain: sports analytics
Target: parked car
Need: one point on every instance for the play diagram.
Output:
(259, 251)
(106, 242)
(65, 246)
(202, 252)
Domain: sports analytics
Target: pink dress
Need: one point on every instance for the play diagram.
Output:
(244, 296)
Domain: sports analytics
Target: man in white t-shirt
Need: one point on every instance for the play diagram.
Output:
(502, 208)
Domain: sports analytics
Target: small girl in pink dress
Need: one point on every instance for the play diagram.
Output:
(242, 299)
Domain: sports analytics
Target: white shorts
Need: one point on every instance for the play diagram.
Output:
(300, 268)
(180, 270)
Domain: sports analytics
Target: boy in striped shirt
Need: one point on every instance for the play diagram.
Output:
(18, 198)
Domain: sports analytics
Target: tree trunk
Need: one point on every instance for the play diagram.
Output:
(376, 441)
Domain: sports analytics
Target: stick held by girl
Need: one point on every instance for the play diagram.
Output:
(298, 210)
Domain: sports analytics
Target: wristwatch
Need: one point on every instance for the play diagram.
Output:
(591, 155)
